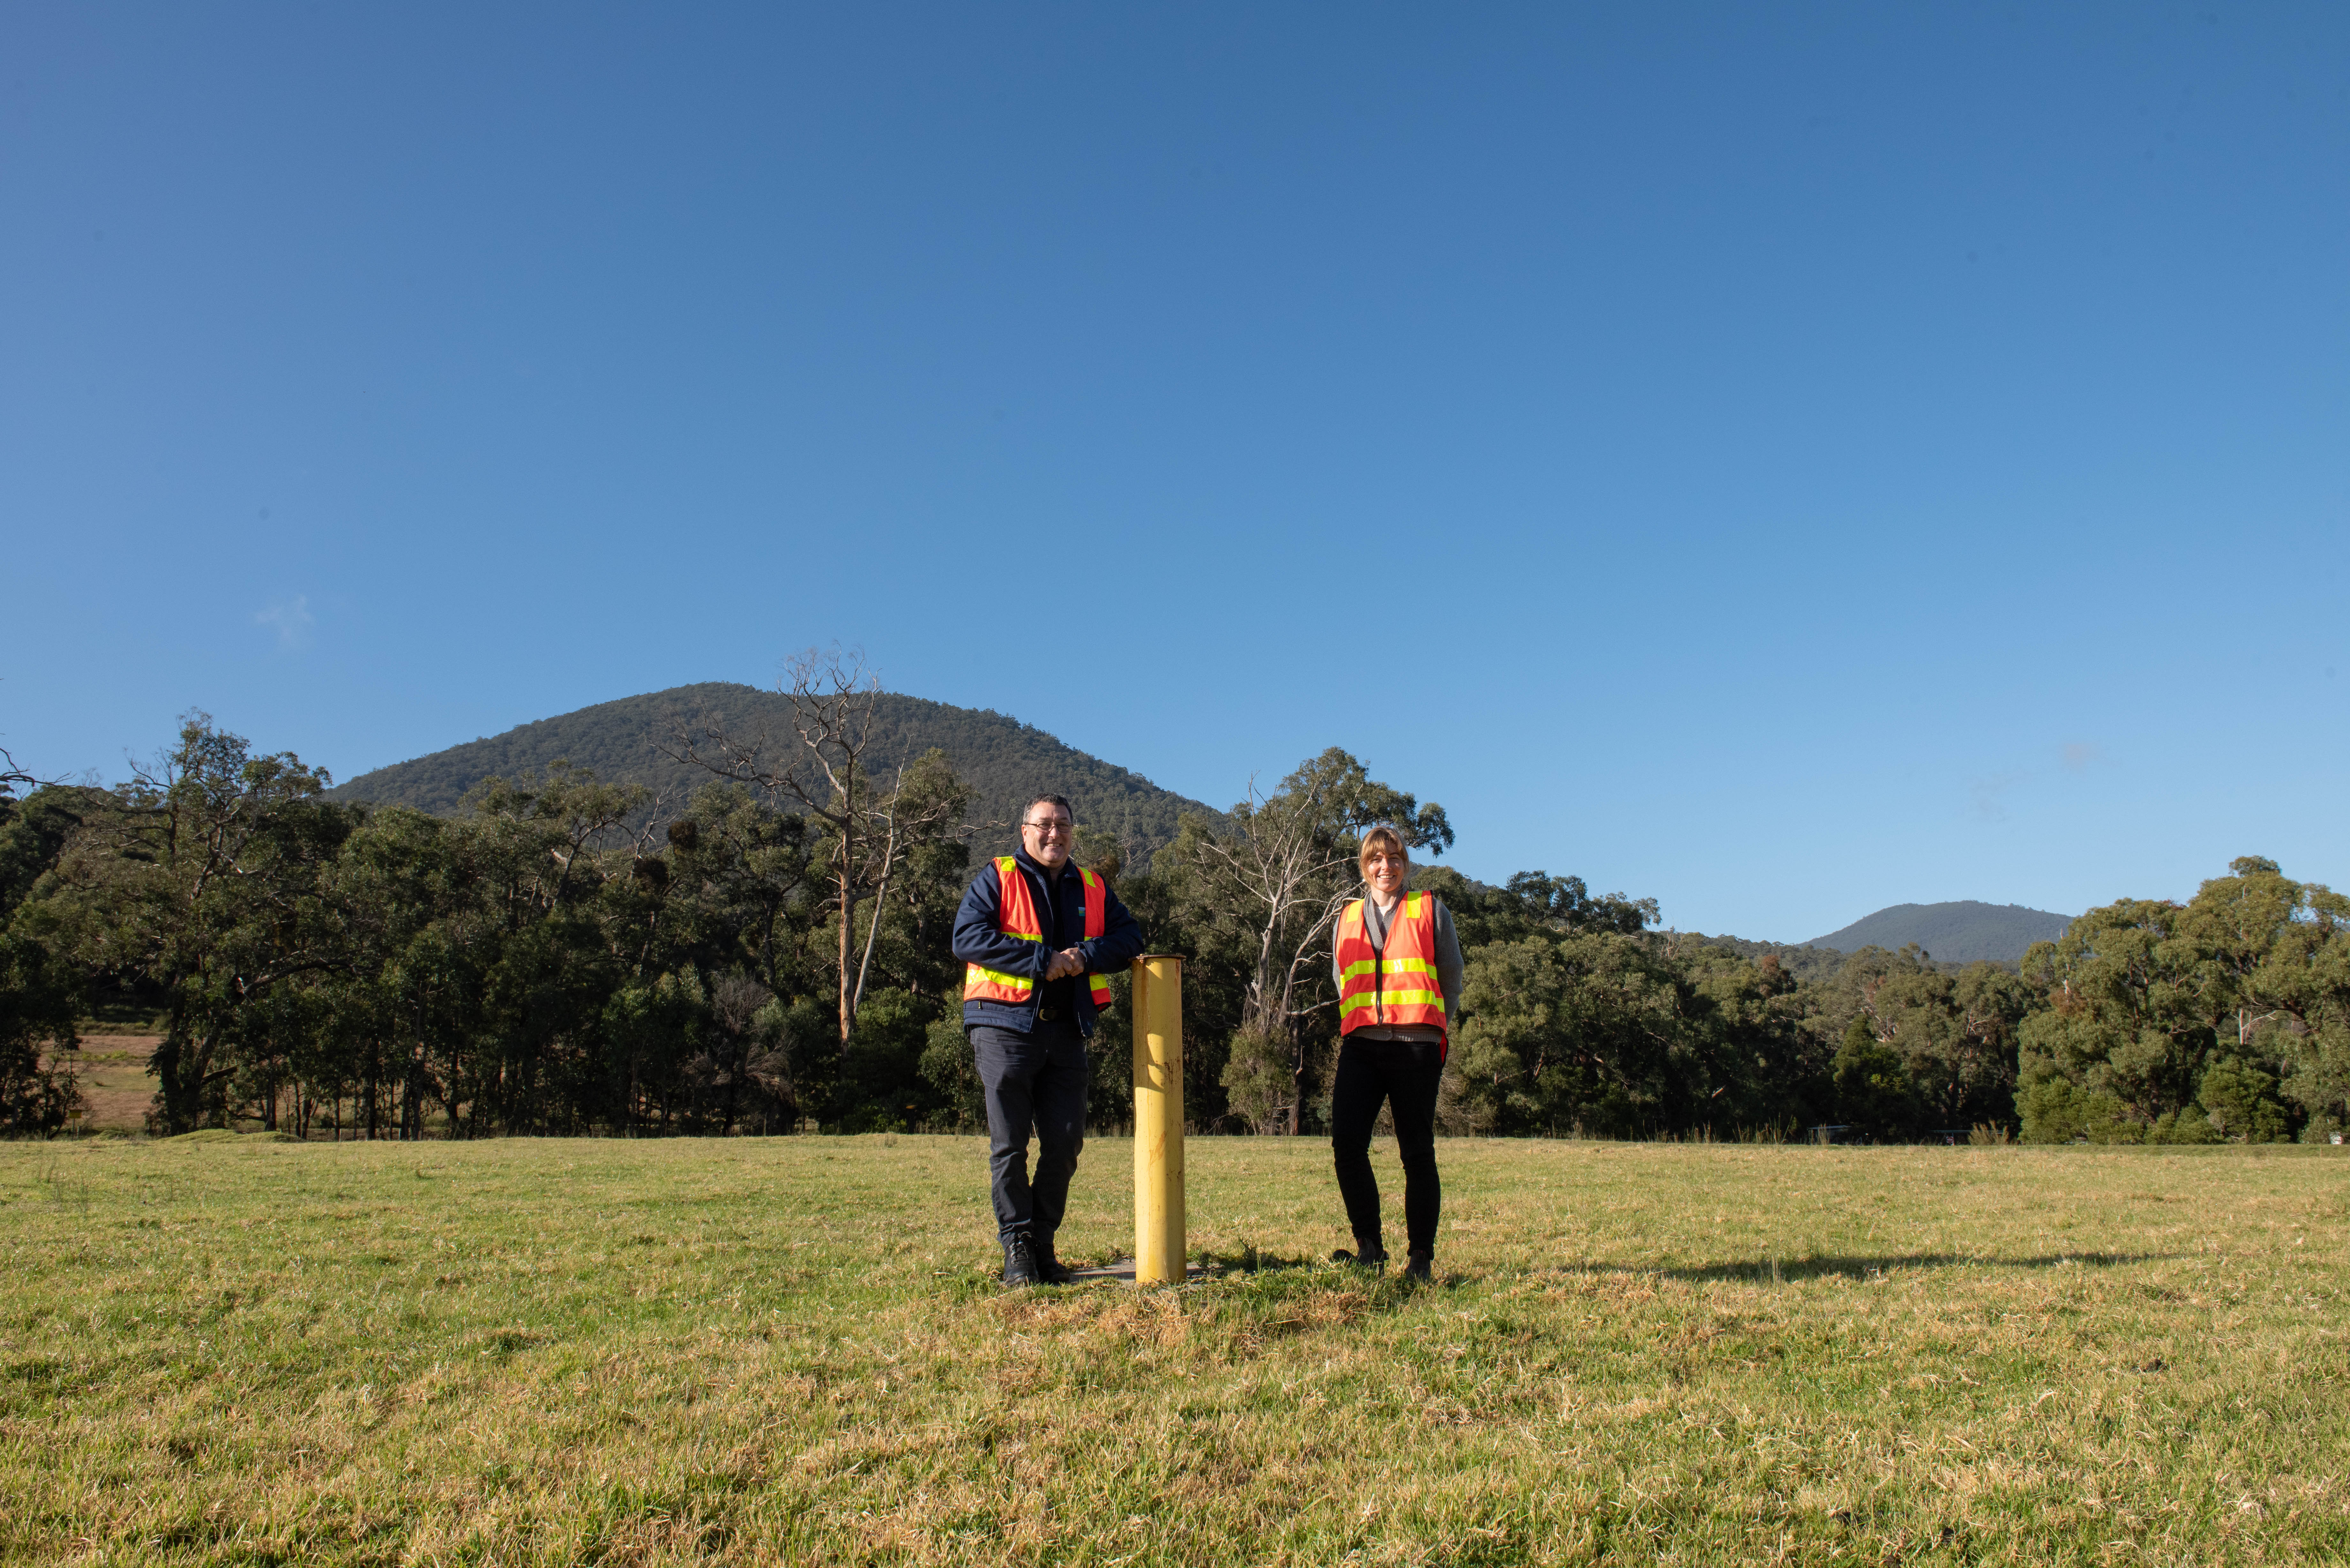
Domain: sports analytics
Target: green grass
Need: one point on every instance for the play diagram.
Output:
(224, 1349)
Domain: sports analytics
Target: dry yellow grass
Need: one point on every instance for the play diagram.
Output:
(789, 1350)
(111, 1069)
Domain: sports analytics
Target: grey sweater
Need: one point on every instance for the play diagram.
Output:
(1448, 972)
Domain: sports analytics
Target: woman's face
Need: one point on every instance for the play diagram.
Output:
(1384, 870)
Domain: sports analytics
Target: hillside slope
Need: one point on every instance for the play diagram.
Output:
(1804, 962)
(1957, 932)
(1003, 759)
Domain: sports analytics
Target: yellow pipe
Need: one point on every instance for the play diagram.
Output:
(1158, 1250)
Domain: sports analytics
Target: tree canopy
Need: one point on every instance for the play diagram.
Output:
(768, 951)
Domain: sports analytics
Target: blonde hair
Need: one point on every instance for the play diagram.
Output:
(1385, 837)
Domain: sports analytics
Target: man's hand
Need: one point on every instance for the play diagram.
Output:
(1066, 963)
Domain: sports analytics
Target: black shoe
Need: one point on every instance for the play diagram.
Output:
(1049, 1268)
(1371, 1260)
(1020, 1263)
(1417, 1267)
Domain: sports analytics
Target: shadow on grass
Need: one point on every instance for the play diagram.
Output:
(1249, 1265)
(1251, 1261)
(1769, 1270)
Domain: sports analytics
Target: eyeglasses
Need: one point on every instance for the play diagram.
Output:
(1057, 824)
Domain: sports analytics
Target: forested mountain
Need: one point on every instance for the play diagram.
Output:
(1959, 932)
(1002, 759)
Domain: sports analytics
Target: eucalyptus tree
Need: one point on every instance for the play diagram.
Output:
(1597, 1031)
(871, 814)
(403, 1013)
(540, 856)
(1262, 896)
(915, 870)
(2281, 1047)
(202, 877)
(1948, 1041)
(744, 871)
(1564, 903)
(40, 988)
(2226, 1016)
(1578, 1017)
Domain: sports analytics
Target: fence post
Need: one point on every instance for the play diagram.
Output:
(1158, 1248)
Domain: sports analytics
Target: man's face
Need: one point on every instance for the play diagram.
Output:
(1045, 833)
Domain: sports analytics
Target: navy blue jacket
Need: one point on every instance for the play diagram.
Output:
(978, 940)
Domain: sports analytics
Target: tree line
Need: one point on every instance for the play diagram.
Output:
(770, 954)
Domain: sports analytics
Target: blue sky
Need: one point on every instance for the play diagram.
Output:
(1784, 460)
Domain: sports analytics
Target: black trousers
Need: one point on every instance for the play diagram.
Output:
(1403, 1074)
(1034, 1082)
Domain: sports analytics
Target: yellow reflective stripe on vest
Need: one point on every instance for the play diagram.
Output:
(997, 977)
(1393, 999)
(1406, 966)
(1361, 966)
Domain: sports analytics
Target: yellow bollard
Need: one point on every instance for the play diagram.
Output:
(1158, 1250)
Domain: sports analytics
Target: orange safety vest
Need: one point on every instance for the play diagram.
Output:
(1399, 986)
(1015, 915)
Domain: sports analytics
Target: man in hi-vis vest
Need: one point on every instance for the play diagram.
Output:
(1039, 938)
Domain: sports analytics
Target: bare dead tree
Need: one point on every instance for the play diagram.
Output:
(832, 696)
(12, 778)
(1285, 866)
(925, 799)
(823, 772)
(649, 830)
(1287, 871)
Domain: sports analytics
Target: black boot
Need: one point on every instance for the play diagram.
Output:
(1020, 1263)
(1049, 1267)
(1368, 1255)
(1417, 1266)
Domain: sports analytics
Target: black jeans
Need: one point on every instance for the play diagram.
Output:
(1034, 1081)
(1404, 1074)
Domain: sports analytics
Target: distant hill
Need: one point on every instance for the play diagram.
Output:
(1959, 932)
(1806, 963)
(1003, 759)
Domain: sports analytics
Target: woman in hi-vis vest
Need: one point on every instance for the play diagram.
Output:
(1398, 969)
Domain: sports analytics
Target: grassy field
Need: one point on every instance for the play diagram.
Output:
(227, 1349)
(111, 1069)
